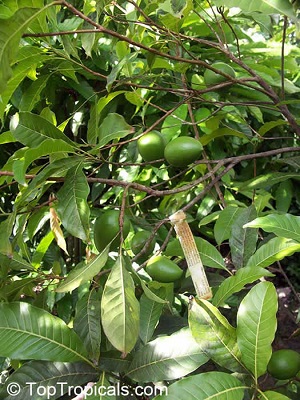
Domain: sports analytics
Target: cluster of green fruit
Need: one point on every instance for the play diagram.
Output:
(107, 231)
(179, 152)
(284, 364)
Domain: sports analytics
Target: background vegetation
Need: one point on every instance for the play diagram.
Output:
(80, 82)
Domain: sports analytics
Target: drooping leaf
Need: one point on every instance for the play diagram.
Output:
(237, 282)
(274, 250)
(33, 93)
(209, 385)
(284, 195)
(6, 227)
(28, 332)
(32, 129)
(263, 6)
(83, 272)
(223, 225)
(73, 209)
(256, 327)
(113, 126)
(120, 309)
(209, 254)
(87, 323)
(46, 148)
(167, 357)
(215, 336)
(284, 225)
(58, 377)
(242, 241)
(11, 31)
(271, 395)
(267, 180)
(150, 314)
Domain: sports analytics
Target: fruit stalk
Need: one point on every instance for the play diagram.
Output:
(191, 253)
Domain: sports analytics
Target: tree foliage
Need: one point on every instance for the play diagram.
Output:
(80, 83)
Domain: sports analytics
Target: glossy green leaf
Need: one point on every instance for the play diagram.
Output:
(237, 282)
(256, 327)
(284, 195)
(167, 357)
(271, 395)
(120, 310)
(28, 332)
(284, 225)
(33, 93)
(113, 126)
(149, 317)
(11, 31)
(209, 254)
(223, 225)
(33, 377)
(263, 6)
(209, 385)
(31, 129)
(6, 227)
(46, 148)
(87, 322)
(242, 241)
(83, 272)
(274, 250)
(215, 336)
(267, 180)
(73, 209)
(221, 132)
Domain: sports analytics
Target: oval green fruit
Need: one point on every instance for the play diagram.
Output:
(284, 364)
(162, 269)
(212, 78)
(138, 243)
(106, 227)
(151, 146)
(183, 151)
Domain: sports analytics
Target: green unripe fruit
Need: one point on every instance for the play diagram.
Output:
(162, 269)
(139, 241)
(106, 227)
(183, 151)
(211, 78)
(284, 364)
(151, 146)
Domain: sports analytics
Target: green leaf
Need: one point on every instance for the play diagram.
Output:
(271, 395)
(28, 332)
(73, 209)
(113, 126)
(11, 31)
(263, 6)
(83, 272)
(6, 227)
(274, 250)
(267, 180)
(236, 282)
(284, 195)
(31, 129)
(32, 94)
(120, 309)
(284, 225)
(221, 132)
(41, 249)
(57, 377)
(164, 358)
(149, 317)
(87, 322)
(242, 241)
(223, 225)
(214, 334)
(172, 124)
(209, 385)
(47, 147)
(209, 254)
(256, 327)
